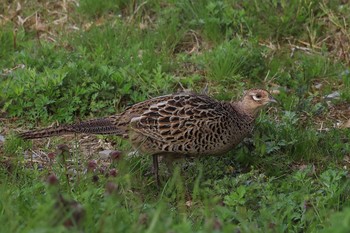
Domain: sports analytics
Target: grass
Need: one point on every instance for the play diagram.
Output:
(66, 61)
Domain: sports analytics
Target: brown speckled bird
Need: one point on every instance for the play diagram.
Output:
(182, 124)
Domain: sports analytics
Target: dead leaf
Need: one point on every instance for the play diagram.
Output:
(346, 124)
(19, 8)
(189, 203)
(60, 21)
(40, 27)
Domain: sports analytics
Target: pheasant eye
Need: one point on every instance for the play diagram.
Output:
(256, 97)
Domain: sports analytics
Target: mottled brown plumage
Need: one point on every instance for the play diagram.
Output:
(183, 124)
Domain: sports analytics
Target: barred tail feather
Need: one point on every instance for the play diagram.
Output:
(44, 133)
(98, 126)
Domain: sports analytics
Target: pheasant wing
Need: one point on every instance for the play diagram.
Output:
(177, 119)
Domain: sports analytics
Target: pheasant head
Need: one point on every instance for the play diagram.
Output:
(254, 100)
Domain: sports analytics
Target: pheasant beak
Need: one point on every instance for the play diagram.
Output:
(272, 100)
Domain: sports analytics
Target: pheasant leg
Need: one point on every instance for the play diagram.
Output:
(156, 169)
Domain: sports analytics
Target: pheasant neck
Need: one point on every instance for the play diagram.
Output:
(245, 109)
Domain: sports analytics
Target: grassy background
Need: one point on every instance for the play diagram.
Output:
(63, 61)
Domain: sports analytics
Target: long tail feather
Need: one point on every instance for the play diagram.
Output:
(97, 126)
(44, 133)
